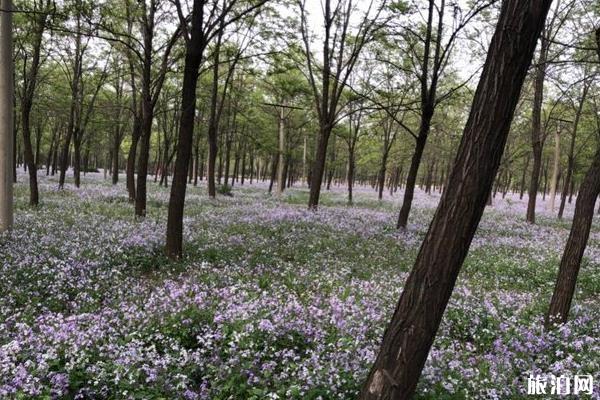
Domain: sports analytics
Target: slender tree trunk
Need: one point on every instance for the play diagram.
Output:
(555, 171)
(213, 124)
(115, 160)
(75, 108)
(566, 281)
(564, 288)
(411, 179)
(281, 154)
(350, 173)
(537, 140)
(523, 177)
(381, 175)
(413, 327)
(77, 160)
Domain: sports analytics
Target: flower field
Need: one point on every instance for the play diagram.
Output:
(271, 301)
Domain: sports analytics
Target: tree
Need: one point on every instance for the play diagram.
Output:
(42, 9)
(205, 25)
(340, 55)
(538, 136)
(431, 67)
(571, 155)
(580, 231)
(74, 127)
(413, 327)
(6, 117)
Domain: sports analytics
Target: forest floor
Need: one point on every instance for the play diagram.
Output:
(271, 300)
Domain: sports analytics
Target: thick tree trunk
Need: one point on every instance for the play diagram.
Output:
(318, 167)
(413, 327)
(193, 58)
(28, 155)
(142, 170)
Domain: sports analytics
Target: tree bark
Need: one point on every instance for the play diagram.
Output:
(537, 136)
(411, 179)
(413, 327)
(193, 58)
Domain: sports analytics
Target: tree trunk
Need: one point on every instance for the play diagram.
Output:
(413, 327)
(274, 166)
(142, 170)
(72, 129)
(351, 167)
(319, 166)
(115, 160)
(213, 124)
(77, 160)
(411, 179)
(564, 288)
(537, 140)
(578, 238)
(555, 167)
(28, 155)
(381, 175)
(193, 58)
(281, 154)
(523, 177)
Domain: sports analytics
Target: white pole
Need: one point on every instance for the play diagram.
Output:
(6, 116)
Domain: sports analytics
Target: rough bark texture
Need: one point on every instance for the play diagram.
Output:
(193, 58)
(413, 327)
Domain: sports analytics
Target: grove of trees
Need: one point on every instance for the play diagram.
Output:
(473, 101)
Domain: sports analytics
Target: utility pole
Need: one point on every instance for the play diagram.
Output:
(6, 116)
